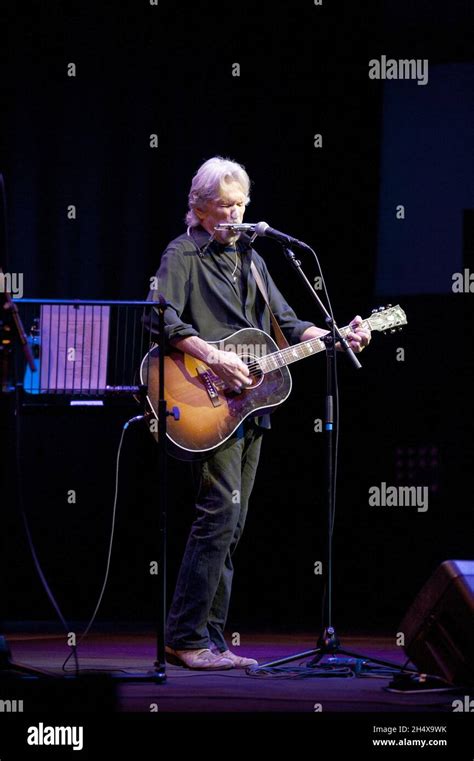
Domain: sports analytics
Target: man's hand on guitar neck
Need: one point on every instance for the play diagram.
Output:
(227, 365)
(358, 338)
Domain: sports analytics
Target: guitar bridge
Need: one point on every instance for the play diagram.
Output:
(210, 387)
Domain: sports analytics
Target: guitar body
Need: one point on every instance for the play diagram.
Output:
(209, 411)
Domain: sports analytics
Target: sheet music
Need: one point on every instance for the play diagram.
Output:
(74, 348)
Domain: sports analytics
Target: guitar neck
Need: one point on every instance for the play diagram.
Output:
(299, 351)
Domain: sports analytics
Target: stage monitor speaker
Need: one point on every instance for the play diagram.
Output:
(439, 626)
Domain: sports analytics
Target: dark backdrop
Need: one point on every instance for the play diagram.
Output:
(85, 140)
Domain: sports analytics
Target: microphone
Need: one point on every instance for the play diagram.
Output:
(263, 230)
(266, 231)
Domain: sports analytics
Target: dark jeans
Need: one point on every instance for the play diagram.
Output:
(223, 483)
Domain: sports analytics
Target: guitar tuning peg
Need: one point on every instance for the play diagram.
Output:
(373, 311)
(392, 330)
(381, 309)
(388, 306)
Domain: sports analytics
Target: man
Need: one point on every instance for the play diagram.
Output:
(205, 276)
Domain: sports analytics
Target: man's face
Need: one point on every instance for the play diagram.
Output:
(228, 207)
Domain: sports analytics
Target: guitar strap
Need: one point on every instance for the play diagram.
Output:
(280, 339)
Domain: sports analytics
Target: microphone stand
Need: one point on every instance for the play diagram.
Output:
(158, 673)
(328, 642)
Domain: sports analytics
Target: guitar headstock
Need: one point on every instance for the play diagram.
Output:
(387, 318)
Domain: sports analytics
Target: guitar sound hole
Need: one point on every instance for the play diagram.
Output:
(255, 371)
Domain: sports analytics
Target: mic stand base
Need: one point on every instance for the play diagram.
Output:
(329, 644)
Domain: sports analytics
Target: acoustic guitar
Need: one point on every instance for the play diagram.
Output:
(210, 412)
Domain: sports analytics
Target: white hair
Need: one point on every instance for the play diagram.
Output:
(209, 180)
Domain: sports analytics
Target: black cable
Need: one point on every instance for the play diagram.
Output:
(84, 634)
(34, 554)
(21, 506)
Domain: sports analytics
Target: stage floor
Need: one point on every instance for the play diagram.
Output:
(116, 653)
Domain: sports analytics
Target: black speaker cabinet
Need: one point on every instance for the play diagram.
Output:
(439, 625)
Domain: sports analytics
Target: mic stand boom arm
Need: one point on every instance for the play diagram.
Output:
(332, 327)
